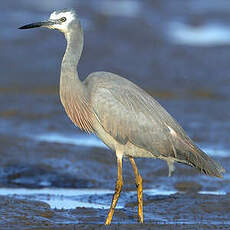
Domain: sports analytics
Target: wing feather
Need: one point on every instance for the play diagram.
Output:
(128, 113)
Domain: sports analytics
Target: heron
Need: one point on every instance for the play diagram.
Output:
(125, 117)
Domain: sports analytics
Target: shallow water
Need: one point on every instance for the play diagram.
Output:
(52, 176)
(66, 198)
(75, 198)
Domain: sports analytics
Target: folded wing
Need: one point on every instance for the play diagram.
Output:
(128, 113)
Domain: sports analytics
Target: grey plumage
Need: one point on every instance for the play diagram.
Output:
(125, 117)
(133, 118)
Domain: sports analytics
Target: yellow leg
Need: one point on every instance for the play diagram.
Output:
(117, 191)
(138, 179)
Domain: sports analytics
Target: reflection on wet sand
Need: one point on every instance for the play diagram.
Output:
(78, 139)
(83, 198)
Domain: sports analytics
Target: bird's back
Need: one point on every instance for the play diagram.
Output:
(130, 115)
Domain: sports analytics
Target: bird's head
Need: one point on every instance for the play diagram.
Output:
(61, 20)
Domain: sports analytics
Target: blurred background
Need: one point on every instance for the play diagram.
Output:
(178, 51)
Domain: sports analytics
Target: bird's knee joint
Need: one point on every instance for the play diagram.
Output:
(139, 181)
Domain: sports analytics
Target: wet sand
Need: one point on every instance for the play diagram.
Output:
(52, 176)
(180, 211)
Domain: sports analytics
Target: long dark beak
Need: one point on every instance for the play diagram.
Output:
(37, 24)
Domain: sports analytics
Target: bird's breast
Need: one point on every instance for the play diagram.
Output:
(78, 109)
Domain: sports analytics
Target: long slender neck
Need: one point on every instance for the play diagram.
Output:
(73, 92)
(72, 55)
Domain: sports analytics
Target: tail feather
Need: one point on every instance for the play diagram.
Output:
(200, 160)
(188, 153)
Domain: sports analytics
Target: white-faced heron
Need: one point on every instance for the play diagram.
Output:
(126, 118)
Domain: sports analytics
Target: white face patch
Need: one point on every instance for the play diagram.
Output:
(63, 26)
(69, 15)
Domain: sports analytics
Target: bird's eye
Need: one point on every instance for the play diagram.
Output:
(63, 19)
